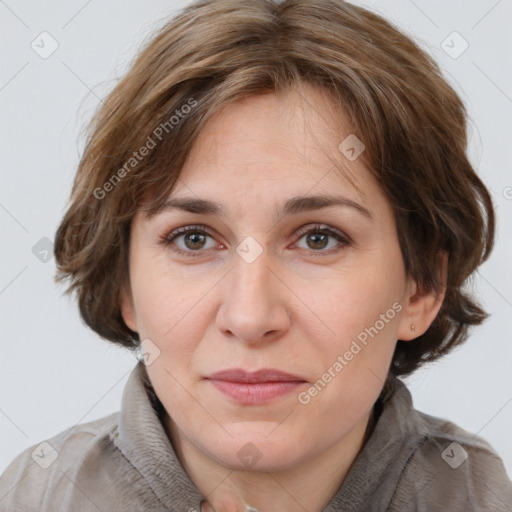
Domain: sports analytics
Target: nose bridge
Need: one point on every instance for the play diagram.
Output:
(251, 304)
(252, 276)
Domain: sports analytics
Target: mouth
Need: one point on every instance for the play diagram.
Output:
(255, 388)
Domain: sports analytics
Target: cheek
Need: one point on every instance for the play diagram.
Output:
(173, 315)
(348, 304)
(354, 368)
(165, 301)
(362, 312)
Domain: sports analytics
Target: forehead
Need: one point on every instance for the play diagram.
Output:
(277, 142)
(271, 155)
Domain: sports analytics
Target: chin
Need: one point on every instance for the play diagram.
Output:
(257, 452)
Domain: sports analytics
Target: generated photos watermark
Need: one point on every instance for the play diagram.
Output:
(343, 360)
(137, 156)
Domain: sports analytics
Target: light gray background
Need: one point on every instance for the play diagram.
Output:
(54, 371)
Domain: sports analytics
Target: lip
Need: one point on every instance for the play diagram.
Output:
(263, 375)
(254, 388)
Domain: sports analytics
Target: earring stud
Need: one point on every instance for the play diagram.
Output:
(413, 328)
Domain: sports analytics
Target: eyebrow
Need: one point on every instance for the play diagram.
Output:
(292, 206)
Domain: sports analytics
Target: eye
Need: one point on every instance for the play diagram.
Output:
(193, 239)
(190, 241)
(317, 239)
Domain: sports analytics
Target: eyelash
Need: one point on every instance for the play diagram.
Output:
(167, 240)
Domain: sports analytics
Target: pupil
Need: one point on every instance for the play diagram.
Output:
(318, 239)
(315, 237)
(193, 237)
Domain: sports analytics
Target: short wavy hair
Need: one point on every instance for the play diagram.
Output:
(213, 53)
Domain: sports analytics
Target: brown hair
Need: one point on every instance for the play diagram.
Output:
(215, 52)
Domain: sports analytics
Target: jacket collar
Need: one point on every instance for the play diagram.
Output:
(144, 442)
(373, 477)
(371, 480)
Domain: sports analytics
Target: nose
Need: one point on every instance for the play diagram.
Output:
(254, 301)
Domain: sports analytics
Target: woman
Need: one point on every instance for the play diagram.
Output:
(275, 210)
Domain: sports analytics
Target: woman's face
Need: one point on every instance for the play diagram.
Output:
(250, 288)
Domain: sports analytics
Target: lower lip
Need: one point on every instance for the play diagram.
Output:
(257, 392)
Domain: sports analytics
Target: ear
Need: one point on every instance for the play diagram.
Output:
(127, 307)
(421, 308)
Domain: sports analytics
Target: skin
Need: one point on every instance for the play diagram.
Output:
(296, 307)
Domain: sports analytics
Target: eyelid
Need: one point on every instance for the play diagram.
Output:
(168, 239)
(340, 236)
(323, 228)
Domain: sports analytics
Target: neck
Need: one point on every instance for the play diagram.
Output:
(310, 485)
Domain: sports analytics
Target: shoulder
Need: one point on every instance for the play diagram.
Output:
(452, 469)
(42, 467)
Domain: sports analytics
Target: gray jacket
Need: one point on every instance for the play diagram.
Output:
(125, 462)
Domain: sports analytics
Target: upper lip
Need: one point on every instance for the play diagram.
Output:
(263, 375)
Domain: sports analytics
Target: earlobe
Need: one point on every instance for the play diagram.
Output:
(127, 307)
(422, 307)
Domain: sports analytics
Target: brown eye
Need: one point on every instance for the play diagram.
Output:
(189, 241)
(318, 238)
(194, 240)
